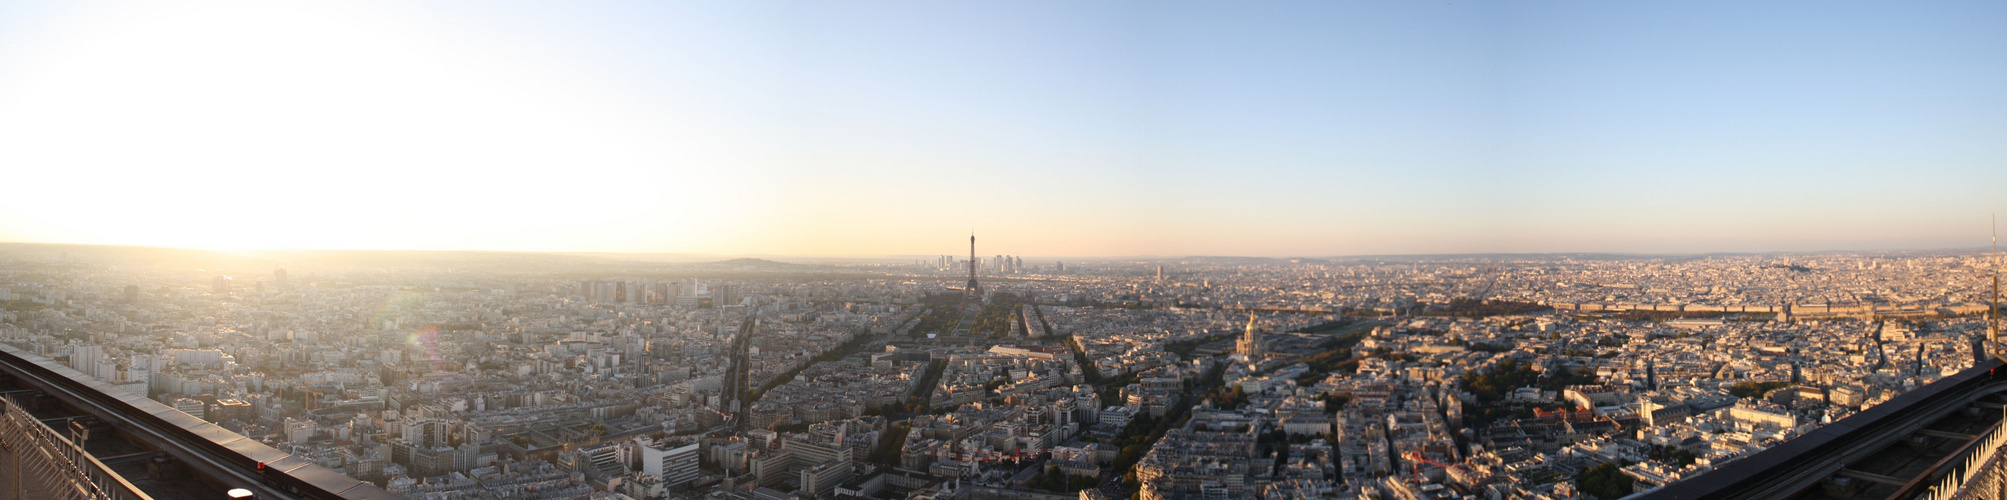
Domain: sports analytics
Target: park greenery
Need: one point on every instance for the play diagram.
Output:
(1052, 479)
(890, 444)
(1754, 389)
(995, 318)
(1672, 455)
(1605, 481)
(942, 311)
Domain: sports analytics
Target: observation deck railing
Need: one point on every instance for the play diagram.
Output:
(45, 464)
(1983, 475)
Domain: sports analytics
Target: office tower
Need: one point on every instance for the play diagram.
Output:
(724, 295)
(427, 432)
(220, 285)
(599, 292)
(674, 464)
(84, 358)
(823, 465)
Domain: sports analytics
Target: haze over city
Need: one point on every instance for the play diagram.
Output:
(1052, 128)
(1027, 250)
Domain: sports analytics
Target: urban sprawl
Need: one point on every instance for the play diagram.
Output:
(1000, 377)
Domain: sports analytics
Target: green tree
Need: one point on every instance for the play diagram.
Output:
(1672, 455)
(890, 444)
(1080, 483)
(1605, 481)
(1754, 389)
(1334, 403)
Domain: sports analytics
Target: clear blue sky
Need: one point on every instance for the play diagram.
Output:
(1051, 128)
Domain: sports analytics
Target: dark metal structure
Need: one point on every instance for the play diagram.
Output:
(211, 452)
(974, 291)
(1896, 449)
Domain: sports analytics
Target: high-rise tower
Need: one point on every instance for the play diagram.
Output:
(974, 290)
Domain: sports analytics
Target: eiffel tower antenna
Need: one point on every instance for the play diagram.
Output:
(1993, 307)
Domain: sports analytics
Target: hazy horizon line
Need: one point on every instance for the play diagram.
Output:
(696, 257)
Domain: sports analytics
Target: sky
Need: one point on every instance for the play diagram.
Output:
(1047, 128)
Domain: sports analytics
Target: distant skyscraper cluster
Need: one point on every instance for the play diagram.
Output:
(1005, 264)
(999, 264)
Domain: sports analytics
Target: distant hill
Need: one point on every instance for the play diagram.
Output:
(1227, 259)
(756, 263)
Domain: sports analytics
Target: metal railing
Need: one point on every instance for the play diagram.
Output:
(45, 464)
(1982, 475)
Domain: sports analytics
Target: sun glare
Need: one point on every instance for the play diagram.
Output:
(314, 125)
